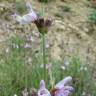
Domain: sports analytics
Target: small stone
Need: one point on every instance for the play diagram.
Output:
(33, 92)
(25, 92)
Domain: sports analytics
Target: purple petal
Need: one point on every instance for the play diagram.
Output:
(43, 91)
(26, 45)
(70, 88)
(64, 91)
(42, 84)
(63, 82)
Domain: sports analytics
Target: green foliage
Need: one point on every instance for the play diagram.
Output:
(16, 74)
(82, 80)
(7, 0)
(92, 16)
(44, 1)
(20, 6)
(66, 9)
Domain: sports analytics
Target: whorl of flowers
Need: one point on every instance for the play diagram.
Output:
(31, 17)
(62, 88)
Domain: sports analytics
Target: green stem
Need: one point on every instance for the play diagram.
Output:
(44, 56)
(51, 78)
(43, 38)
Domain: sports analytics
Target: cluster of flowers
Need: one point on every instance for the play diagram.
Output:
(41, 23)
(62, 88)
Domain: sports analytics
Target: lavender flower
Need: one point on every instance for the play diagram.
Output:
(30, 37)
(64, 92)
(26, 45)
(48, 66)
(62, 88)
(41, 23)
(42, 90)
(29, 7)
(27, 18)
(62, 83)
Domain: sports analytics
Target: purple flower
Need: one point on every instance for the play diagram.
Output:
(41, 23)
(64, 92)
(42, 90)
(30, 37)
(64, 82)
(62, 88)
(42, 84)
(27, 18)
(26, 45)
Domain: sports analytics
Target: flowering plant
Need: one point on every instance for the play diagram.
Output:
(60, 89)
(41, 23)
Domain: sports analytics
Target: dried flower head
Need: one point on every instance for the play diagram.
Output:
(33, 92)
(41, 23)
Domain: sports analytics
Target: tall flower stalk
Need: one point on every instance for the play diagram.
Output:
(41, 23)
(44, 56)
(43, 46)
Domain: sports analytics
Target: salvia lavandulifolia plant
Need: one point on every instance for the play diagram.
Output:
(42, 90)
(41, 23)
(62, 88)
